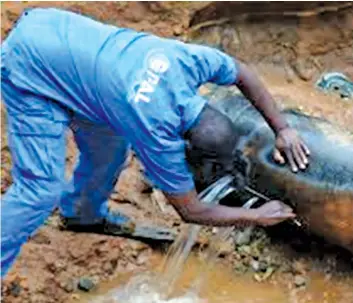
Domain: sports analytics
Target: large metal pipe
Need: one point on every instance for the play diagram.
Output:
(323, 194)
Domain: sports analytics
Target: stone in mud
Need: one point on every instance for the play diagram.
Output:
(300, 281)
(269, 271)
(68, 286)
(226, 248)
(244, 250)
(75, 297)
(15, 289)
(263, 266)
(255, 265)
(298, 267)
(86, 284)
(240, 268)
(109, 267)
(177, 29)
(304, 69)
(243, 237)
(266, 275)
(143, 257)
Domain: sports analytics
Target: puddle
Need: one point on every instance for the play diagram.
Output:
(224, 286)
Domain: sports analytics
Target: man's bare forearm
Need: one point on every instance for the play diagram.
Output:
(252, 88)
(193, 211)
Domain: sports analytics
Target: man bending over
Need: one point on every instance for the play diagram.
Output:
(117, 88)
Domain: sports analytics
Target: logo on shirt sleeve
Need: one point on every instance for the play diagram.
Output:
(158, 63)
(155, 65)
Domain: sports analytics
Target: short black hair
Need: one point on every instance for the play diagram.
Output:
(213, 133)
(211, 149)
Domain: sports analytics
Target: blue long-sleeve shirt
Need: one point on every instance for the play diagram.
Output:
(143, 86)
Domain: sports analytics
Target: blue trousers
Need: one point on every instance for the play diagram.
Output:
(37, 140)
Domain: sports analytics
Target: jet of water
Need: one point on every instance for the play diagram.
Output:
(181, 248)
(150, 288)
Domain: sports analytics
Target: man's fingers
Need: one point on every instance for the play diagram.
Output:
(285, 212)
(303, 155)
(279, 219)
(300, 157)
(297, 158)
(305, 148)
(291, 161)
(278, 157)
(288, 209)
(285, 215)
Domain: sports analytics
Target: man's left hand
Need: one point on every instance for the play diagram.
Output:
(291, 147)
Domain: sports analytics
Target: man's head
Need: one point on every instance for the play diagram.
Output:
(211, 150)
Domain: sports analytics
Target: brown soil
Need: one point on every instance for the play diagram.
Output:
(288, 45)
(300, 38)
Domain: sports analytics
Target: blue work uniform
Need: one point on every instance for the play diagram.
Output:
(117, 88)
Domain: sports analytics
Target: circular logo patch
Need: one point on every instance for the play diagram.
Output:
(158, 63)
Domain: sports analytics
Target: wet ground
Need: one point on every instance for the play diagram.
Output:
(225, 286)
(303, 269)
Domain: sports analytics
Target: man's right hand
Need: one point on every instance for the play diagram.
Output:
(272, 213)
(193, 211)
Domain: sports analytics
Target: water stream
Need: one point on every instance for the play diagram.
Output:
(160, 287)
(181, 248)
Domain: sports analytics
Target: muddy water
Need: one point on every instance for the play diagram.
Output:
(224, 286)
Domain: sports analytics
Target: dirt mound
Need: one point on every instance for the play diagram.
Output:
(165, 19)
(304, 39)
